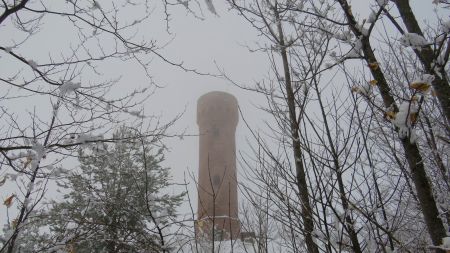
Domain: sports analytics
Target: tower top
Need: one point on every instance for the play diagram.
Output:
(218, 108)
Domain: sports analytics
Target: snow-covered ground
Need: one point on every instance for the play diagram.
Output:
(236, 246)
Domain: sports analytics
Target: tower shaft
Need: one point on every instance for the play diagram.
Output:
(217, 118)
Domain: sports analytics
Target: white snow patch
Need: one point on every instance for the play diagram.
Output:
(446, 26)
(32, 64)
(413, 136)
(30, 186)
(96, 5)
(388, 250)
(365, 89)
(446, 242)
(372, 17)
(39, 149)
(403, 119)
(84, 138)
(210, 6)
(362, 29)
(18, 156)
(236, 246)
(135, 113)
(69, 87)
(356, 50)
(344, 36)
(39, 152)
(413, 40)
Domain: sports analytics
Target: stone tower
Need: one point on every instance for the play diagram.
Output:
(217, 118)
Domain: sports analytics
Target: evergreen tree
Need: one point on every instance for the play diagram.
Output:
(114, 202)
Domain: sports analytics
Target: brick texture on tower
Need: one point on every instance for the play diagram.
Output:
(217, 118)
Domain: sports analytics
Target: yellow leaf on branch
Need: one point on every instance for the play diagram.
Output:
(433, 93)
(420, 86)
(8, 201)
(71, 248)
(14, 223)
(413, 117)
(373, 65)
(390, 114)
(373, 82)
(27, 162)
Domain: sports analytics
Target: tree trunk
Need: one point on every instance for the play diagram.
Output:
(307, 214)
(426, 57)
